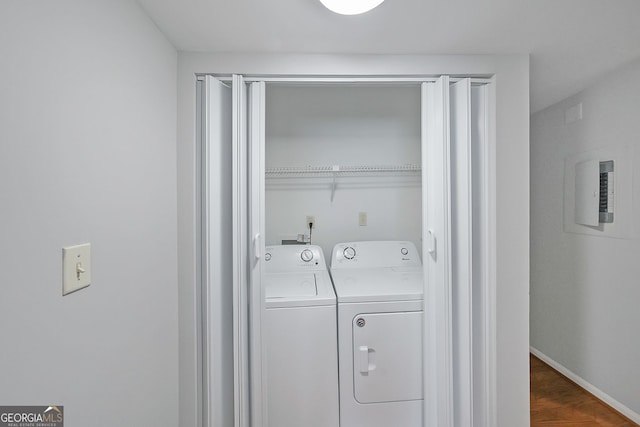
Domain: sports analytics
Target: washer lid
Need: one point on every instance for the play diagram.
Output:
(286, 285)
(298, 289)
(378, 284)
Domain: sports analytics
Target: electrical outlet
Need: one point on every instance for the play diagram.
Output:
(312, 219)
(362, 219)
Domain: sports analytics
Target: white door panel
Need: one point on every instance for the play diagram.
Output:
(461, 244)
(387, 362)
(240, 254)
(436, 237)
(215, 234)
(256, 208)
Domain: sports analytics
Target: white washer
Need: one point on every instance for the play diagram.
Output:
(300, 335)
(379, 287)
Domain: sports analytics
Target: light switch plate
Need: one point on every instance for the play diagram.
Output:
(76, 268)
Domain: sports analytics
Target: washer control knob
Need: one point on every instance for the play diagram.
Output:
(306, 255)
(349, 252)
(404, 251)
(267, 256)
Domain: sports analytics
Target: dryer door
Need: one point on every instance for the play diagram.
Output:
(387, 357)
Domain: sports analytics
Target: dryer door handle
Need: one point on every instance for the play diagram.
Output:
(364, 364)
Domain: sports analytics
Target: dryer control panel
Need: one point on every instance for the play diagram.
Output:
(375, 254)
(288, 258)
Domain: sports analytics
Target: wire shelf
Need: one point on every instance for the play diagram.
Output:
(337, 171)
(312, 171)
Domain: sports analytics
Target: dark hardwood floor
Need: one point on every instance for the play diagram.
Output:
(556, 401)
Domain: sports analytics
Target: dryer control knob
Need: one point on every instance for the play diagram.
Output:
(306, 255)
(404, 251)
(349, 252)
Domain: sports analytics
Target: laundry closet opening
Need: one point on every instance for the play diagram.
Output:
(346, 156)
(364, 160)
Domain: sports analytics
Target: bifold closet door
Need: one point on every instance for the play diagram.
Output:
(214, 125)
(256, 224)
(447, 253)
(248, 246)
(240, 249)
(436, 238)
(461, 249)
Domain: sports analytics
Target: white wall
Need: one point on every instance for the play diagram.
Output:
(511, 198)
(584, 288)
(87, 154)
(343, 125)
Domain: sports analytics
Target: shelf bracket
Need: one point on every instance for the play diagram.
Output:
(335, 169)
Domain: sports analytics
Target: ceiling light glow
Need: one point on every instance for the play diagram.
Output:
(350, 7)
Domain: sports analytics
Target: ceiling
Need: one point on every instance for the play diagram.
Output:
(572, 43)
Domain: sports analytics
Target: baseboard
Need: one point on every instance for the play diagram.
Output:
(633, 416)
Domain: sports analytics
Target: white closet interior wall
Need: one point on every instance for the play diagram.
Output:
(347, 125)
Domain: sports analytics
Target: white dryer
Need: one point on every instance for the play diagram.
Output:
(379, 286)
(300, 335)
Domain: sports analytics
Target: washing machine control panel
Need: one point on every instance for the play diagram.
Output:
(287, 258)
(375, 254)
